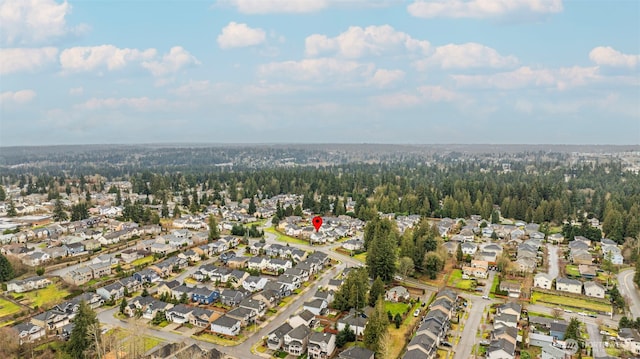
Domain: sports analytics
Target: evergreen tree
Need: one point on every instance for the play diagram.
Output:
(377, 290)
(252, 207)
(381, 257)
(164, 212)
(176, 211)
(59, 214)
(123, 305)
(459, 253)
(353, 292)
(3, 194)
(79, 341)
(376, 327)
(214, 233)
(6, 270)
(145, 293)
(11, 211)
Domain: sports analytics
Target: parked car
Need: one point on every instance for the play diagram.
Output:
(416, 313)
(568, 311)
(485, 297)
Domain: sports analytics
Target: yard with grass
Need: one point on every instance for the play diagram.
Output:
(284, 238)
(570, 302)
(572, 270)
(396, 308)
(494, 286)
(398, 337)
(8, 308)
(455, 280)
(43, 297)
(215, 339)
(142, 261)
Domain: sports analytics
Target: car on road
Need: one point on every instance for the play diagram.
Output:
(446, 344)
(592, 315)
(416, 313)
(397, 277)
(583, 314)
(568, 311)
(603, 332)
(485, 297)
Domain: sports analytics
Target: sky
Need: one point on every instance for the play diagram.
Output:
(319, 71)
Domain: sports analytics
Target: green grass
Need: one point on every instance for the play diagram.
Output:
(396, 308)
(8, 308)
(572, 270)
(455, 280)
(284, 238)
(570, 302)
(142, 261)
(494, 286)
(49, 295)
(362, 257)
(150, 342)
(212, 338)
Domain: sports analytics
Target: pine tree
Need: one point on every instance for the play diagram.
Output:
(6, 270)
(3, 194)
(11, 211)
(214, 233)
(381, 256)
(123, 305)
(164, 212)
(377, 290)
(459, 253)
(59, 214)
(252, 207)
(376, 327)
(79, 340)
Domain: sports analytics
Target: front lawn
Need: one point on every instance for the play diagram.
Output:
(494, 286)
(215, 339)
(455, 280)
(285, 238)
(572, 302)
(49, 295)
(396, 308)
(572, 270)
(8, 308)
(142, 261)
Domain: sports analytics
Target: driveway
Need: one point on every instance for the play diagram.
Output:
(553, 260)
(595, 340)
(628, 289)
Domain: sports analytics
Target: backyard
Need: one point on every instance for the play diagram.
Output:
(42, 297)
(285, 238)
(398, 337)
(142, 261)
(455, 280)
(8, 308)
(570, 302)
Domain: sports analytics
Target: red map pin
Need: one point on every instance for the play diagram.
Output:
(317, 222)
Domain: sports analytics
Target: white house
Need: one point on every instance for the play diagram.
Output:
(321, 345)
(226, 326)
(542, 280)
(594, 289)
(569, 285)
(396, 294)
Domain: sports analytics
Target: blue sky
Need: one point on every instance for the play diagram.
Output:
(321, 71)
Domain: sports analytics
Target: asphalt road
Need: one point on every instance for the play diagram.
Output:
(629, 289)
(471, 324)
(595, 341)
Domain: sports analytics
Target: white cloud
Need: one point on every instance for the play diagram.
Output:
(142, 104)
(464, 56)
(525, 76)
(176, 59)
(384, 78)
(33, 21)
(608, 56)
(90, 58)
(422, 95)
(76, 91)
(482, 8)
(240, 35)
(320, 70)
(277, 6)
(23, 59)
(18, 97)
(357, 42)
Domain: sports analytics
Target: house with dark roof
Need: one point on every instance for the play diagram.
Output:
(275, 339)
(356, 353)
(295, 342)
(321, 345)
(226, 326)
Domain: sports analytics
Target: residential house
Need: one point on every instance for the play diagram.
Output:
(257, 263)
(130, 255)
(204, 295)
(501, 349)
(594, 289)
(155, 306)
(147, 275)
(629, 339)
(231, 297)
(100, 270)
(295, 342)
(542, 280)
(569, 285)
(246, 316)
(51, 320)
(356, 353)
(353, 245)
(112, 291)
(132, 284)
(80, 275)
(35, 259)
(167, 287)
(557, 329)
(254, 284)
(275, 339)
(397, 294)
(29, 332)
(179, 314)
(237, 262)
(316, 306)
(511, 287)
(355, 321)
(321, 345)
(226, 326)
(304, 318)
(25, 285)
(469, 248)
(256, 305)
(290, 282)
